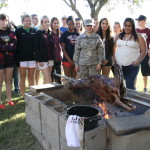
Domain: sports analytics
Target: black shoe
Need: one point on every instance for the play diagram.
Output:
(16, 91)
(146, 90)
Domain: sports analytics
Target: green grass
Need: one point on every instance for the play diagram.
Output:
(15, 134)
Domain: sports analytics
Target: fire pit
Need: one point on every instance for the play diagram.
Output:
(46, 113)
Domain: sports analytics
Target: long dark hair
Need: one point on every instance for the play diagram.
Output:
(100, 31)
(134, 33)
(51, 24)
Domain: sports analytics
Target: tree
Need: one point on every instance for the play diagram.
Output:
(3, 3)
(96, 5)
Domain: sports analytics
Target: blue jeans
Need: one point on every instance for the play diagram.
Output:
(130, 73)
(16, 79)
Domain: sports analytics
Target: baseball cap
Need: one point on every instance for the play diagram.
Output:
(64, 16)
(88, 22)
(141, 17)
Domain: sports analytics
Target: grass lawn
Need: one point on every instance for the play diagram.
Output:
(15, 133)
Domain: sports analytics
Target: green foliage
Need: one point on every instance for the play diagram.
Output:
(130, 4)
(3, 3)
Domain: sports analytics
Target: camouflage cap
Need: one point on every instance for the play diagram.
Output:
(88, 22)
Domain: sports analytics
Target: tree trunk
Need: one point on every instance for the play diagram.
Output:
(95, 7)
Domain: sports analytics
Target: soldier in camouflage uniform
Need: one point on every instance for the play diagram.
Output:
(89, 52)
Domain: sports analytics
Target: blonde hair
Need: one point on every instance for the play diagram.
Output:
(41, 22)
(25, 16)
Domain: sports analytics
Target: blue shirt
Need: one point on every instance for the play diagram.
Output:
(69, 39)
(63, 29)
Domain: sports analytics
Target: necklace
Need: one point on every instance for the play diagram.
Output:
(127, 39)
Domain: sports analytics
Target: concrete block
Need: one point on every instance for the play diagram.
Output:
(128, 125)
(62, 125)
(63, 145)
(33, 102)
(43, 87)
(147, 112)
(33, 120)
(72, 96)
(51, 137)
(95, 139)
(40, 139)
(50, 116)
(137, 141)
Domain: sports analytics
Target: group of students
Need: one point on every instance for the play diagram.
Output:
(93, 51)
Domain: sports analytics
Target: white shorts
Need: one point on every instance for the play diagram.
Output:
(47, 64)
(37, 66)
(28, 64)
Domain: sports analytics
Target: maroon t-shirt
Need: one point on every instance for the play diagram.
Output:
(146, 34)
(50, 53)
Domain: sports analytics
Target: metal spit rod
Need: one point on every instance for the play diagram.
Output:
(128, 98)
(62, 76)
(137, 101)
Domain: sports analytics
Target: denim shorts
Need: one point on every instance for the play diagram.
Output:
(7, 66)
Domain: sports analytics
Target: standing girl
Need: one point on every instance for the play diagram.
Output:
(130, 51)
(78, 25)
(7, 57)
(116, 28)
(55, 25)
(68, 40)
(25, 52)
(44, 49)
(108, 42)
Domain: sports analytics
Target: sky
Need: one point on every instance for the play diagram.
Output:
(58, 8)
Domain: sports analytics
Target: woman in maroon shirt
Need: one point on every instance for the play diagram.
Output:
(7, 57)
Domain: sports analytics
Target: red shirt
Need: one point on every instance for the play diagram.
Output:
(57, 48)
(8, 43)
(146, 34)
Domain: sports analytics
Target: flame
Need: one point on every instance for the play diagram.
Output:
(103, 107)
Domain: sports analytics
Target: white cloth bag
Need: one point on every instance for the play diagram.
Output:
(74, 131)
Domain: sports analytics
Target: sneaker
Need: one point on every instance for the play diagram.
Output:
(146, 90)
(2, 106)
(16, 91)
(11, 103)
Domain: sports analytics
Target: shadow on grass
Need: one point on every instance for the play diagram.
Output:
(15, 134)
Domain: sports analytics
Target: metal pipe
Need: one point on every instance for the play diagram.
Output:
(137, 101)
(63, 76)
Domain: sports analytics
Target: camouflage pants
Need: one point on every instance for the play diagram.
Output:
(86, 71)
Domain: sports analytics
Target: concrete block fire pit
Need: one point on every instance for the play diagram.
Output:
(46, 115)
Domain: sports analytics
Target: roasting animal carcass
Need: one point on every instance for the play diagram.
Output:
(111, 90)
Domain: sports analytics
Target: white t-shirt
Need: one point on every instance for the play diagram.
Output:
(127, 52)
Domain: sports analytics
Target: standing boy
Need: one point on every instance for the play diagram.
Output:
(145, 68)
(89, 51)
